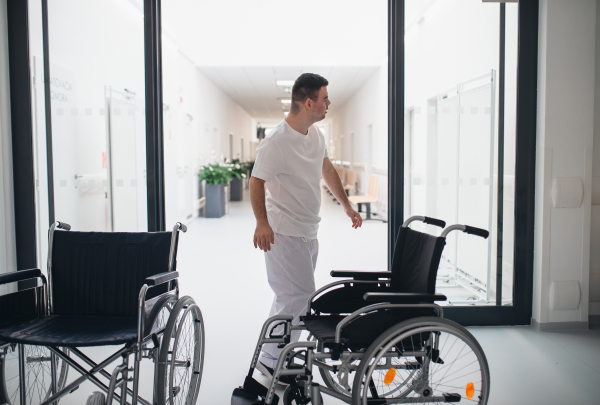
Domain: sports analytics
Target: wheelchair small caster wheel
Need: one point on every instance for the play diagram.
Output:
(96, 398)
(294, 395)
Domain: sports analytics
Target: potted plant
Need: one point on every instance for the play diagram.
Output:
(216, 177)
(236, 184)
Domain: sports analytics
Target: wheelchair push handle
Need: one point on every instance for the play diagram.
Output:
(471, 230)
(427, 220)
(180, 227)
(63, 225)
(435, 222)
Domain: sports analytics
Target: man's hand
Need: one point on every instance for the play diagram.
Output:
(354, 216)
(263, 236)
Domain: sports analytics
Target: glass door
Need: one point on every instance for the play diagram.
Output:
(97, 162)
(458, 54)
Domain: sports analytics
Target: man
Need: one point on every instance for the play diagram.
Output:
(291, 162)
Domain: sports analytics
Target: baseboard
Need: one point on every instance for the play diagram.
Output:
(594, 319)
(558, 326)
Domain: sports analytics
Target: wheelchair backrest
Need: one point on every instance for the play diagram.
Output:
(415, 262)
(101, 273)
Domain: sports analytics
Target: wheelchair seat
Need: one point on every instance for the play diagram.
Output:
(72, 331)
(95, 279)
(414, 270)
(362, 331)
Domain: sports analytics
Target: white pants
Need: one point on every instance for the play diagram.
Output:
(291, 273)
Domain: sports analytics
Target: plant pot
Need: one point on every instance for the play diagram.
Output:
(236, 189)
(215, 200)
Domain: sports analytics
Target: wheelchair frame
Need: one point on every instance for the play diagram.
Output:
(120, 376)
(313, 357)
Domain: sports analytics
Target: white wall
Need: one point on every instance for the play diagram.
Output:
(8, 259)
(565, 133)
(366, 108)
(196, 110)
(595, 226)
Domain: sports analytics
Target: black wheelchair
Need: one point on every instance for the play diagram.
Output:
(378, 337)
(102, 289)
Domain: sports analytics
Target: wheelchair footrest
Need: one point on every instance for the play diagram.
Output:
(452, 397)
(252, 393)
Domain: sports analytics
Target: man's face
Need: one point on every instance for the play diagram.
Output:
(319, 107)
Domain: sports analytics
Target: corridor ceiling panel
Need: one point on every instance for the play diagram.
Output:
(255, 88)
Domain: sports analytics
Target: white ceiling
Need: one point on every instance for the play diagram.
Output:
(244, 46)
(255, 89)
(278, 32)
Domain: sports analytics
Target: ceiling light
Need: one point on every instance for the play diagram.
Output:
(285, 114)
(285, 82)
(286, 101)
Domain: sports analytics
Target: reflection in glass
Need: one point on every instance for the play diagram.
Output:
(451, 137)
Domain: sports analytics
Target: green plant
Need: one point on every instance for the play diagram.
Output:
(237, 169)
(215, 174)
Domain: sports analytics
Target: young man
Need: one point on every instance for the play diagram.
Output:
(291, 162)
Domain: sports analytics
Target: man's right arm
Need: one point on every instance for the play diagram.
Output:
(263, 235)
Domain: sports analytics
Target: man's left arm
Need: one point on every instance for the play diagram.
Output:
(333, 181)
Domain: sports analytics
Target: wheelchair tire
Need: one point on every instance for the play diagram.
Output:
(459, 367)
(96, 398)
(38, 374)
(181, 357)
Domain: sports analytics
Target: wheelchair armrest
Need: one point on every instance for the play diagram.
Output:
(403, 298)
(361, 275)
(161, 278)
(19, 275)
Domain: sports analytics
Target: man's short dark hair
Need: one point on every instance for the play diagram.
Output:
(307, 85)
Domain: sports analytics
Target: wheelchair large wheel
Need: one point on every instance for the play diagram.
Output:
(181, 357)
(450, 365)
(38, 374)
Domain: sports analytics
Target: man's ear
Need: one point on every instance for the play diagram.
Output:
(308, 103)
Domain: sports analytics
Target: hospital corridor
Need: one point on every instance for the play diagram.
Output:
(266, 202)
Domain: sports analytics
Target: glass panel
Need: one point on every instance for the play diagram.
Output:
(451, 138)
(97, 110)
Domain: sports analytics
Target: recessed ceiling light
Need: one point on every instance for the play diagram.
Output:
(286, 101)
(285, 82)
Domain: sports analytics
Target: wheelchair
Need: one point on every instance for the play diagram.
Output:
(103, 289)
(377, 337)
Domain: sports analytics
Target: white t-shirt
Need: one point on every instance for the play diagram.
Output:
(291, 164)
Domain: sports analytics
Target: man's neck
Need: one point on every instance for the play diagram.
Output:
(298, 123)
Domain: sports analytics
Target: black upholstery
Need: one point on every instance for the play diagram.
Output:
(415, 262)
(72, 331)
(346, 299)
(101, 273)
(18, 306)
(360, 332)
